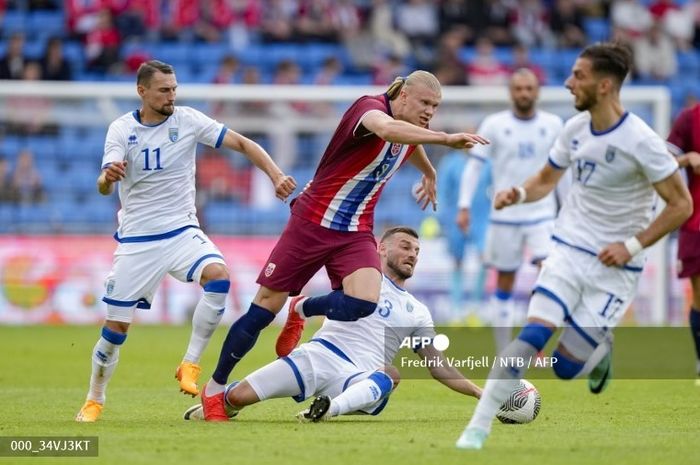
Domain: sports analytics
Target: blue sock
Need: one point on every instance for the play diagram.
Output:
(694, 318)
(240, 339)
(338, 306)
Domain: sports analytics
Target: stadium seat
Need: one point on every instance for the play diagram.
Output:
(46, 23)
(597, 29)
(13, 21)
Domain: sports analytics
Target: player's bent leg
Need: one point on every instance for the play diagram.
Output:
(105, 356)
(205, 320)
(358, 299)
(503, 379)
(362, 393)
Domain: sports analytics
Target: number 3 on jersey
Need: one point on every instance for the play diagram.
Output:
(147, 162)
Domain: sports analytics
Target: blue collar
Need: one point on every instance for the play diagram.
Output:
(611, 128)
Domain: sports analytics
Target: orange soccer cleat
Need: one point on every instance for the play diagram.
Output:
(90, 412)
(188, 374)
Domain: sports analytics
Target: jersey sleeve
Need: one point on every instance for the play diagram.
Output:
(208, 131)
(654, 159)
(483, 152)
(115, 145)
(361, 108)
(560, 155)
(679, 138)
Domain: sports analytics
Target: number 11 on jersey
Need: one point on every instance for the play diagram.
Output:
(146, 164)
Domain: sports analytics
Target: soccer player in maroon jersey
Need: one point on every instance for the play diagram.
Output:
(331, 221)
(684, 142)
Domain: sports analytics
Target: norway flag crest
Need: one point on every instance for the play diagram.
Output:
(270, 269)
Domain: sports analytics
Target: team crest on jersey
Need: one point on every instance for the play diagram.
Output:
(110, 287)
(574, 144)
(409, 307)
(610, 154)
(132, 140)
(270, 269)
(396, 149)
(172, 134)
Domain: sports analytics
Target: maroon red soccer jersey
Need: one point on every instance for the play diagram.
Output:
(685, 137)
(352, 173)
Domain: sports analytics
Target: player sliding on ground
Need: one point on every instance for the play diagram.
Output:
(591, 275)
(348, 364)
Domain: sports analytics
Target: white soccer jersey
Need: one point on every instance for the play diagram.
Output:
(518, 149)
(373, 341)
(157, 194)
(612, 195)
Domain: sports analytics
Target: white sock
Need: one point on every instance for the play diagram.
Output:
(105, 356)
(502, 381)
(356, 397)
(596, 356)
(299, 308)
(213, 388)
(502, 321)
(206, 318)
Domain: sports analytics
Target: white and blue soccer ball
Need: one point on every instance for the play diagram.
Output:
(522, 406)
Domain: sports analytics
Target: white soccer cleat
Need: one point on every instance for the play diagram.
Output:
(472, 439)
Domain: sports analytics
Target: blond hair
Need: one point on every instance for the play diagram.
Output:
(417, 77)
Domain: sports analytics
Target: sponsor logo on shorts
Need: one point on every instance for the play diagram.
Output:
(270, 269)
(110, 287)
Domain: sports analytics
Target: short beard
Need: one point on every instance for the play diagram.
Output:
(526, 108)
(398, 271)
(164, 112)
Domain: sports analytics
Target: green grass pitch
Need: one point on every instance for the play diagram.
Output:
(44, 373)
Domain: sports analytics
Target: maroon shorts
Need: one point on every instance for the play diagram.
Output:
(688, 254)
(305, 247)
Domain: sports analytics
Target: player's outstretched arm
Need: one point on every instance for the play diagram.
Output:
(114, 172)
(448, 375)
(284, 185)
(679, 207)
(532, 190)
(427, 192)
(402, 132)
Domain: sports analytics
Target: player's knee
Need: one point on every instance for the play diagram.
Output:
(214, 272)
(383, 381)
(536, 334)
(219, 286)
(115, 329)
(393, 373)
(351, 308)
(564, 367)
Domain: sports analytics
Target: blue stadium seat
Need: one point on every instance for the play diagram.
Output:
(14, 21)
(688, 63)
(597, 29)
(46, 23)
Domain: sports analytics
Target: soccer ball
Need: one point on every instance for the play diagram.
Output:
(522, 406)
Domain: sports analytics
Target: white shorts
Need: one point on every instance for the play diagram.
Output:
(506, 244)
(318, 370)
(139, 267)
(590, 298)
